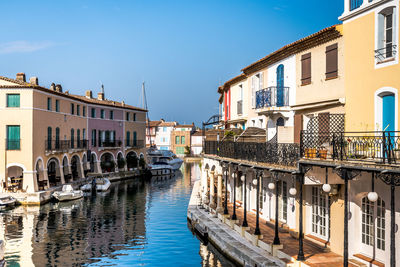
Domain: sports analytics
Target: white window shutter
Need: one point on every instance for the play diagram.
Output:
(261, 81)
(253, 91)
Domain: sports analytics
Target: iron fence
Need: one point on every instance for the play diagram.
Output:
(64, 145)
(134, 143)
(386, 52)
(272, 153)
(272, 97)
(110, 143)
(378, 147)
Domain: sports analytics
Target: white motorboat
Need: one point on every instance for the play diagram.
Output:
(67, 193)
(160, 168)
(172, 159)
(7, 201)
(102, 184)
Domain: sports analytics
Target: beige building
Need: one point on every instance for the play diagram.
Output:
(181, 139)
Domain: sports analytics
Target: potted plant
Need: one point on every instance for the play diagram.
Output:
(323, 153)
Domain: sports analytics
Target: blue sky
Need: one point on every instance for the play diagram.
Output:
(183, 50)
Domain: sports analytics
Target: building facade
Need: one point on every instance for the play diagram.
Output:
(181, 139)
(47, 134)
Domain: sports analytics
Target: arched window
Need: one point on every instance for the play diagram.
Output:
(280, 84)
(128, 137)
(57, 138)
(280, 122)
(72, 138)
(368, 228)
(78, 138)
(134, 139)
(49, 134)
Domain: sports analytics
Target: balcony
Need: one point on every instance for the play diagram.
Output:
(261, 152)
(110, 143)
(133, 143)
(64, 145)
(364, 147)
(385, 53)
(240, 107)
(272, 97)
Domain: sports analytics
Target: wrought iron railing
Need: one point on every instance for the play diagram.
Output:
(272, 153)
(64, 145)
(377, 147)
(386, 52)
(240, 107)
(134, 143)
(110, 143)
(272, 97)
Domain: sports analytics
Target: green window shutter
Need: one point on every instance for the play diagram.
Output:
(128, 137)
(180, 150)
(13, 100)
(57, 105)
(182, 140)
(13, 137)
(48, 103)
(176, 139)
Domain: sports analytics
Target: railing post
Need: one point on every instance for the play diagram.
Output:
(341, 146)
(384, 147)
(333, 147)
(389, 149)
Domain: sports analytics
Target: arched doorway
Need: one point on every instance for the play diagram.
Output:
(121, 161)
(93, 163)
(53, 172)
(132, 160)
(15, 178)
(40, 177)
(107, 162)
(85, 165)
(280, 84)
(280, 122)
(76, 171)
(65, 168)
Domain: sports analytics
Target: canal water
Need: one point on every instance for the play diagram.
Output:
(135, 223)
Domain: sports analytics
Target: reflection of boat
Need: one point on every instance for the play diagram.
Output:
(67, 193)
(160, 168)
(7, 201)
(102, 184)
(67, 207)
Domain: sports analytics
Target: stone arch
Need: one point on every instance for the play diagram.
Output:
(41, 175)
(93, 163)
(76, 170)
(132, 160)
(107, 162)
(53, 172)
(121, 162)
(84, 164)
(66, 169)
(15, 176)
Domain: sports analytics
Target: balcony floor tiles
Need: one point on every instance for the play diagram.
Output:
(314, 255)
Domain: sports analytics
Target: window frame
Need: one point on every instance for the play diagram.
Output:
(49, 107)
(57, 105)
(8, 102)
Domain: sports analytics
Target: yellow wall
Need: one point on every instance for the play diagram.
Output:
(362, 79)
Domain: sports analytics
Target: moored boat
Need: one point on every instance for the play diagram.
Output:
(102, 184)
(160, 168)
(7, 201)
(67, 193)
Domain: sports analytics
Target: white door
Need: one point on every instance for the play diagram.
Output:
(320, 213)
(283, 201)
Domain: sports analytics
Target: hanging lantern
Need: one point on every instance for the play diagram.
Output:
(242, 178)
(372, 196)
(326, 188)
(271, 186)
(292, 191)
(255, 182)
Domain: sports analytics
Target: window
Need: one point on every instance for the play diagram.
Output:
(256, 84)
(78, 138)
(368, 210)
(13, 100)
(94, 138)
(93, 110)
(111, 114)
(380, 226)
(57, 145)
(72, 138)
(386, 35)
(57, 105)
(320, 213)
(283, 200)
(128, 137)
(177, 140)
(102, 113)
(134, 116)
(78, 110)
(127, 116)
(49, 135)
(164, 129)
(13, 137)
(48, 103)
(182, 140)
(354, 4)
(72, 108)
(332, 61)
(134, 139)
(84, 111)
(306, 69)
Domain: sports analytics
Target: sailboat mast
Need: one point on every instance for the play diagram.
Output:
(144, 105)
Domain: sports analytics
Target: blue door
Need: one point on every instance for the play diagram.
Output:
(280, 84)
(388, 118)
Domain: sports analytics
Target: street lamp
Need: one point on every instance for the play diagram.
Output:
(326, 187)
(373, 196)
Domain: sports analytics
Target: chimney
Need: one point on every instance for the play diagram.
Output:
(100, 96)
(34, 81)
(88, 93)
(59, 88)
(123, 103)
(21, 77)
(53, 87)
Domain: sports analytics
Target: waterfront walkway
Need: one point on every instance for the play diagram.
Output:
(315, 255)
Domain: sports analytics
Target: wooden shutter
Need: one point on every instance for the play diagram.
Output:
(298, 127)
(332, 61)
(306, 69)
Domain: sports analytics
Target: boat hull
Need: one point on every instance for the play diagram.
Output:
(67, 196)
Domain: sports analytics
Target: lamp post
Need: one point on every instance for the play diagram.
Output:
(256, 183)
(234, 194)
(244, 224)
(226, 191)
(276, 238)
(300, 255)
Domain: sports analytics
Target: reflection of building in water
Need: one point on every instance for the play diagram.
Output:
(192, 173)
(212, 257)
(74, 233)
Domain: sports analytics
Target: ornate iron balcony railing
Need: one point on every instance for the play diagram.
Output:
(272, 97)
(377, 147)
(386, 52)
(272, 153)
(65, 145)
(134, 143)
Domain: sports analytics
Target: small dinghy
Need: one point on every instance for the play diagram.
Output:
(102, 184)
(67, 193)
(7, 201)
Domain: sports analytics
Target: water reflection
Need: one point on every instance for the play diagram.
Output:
(134, 223)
